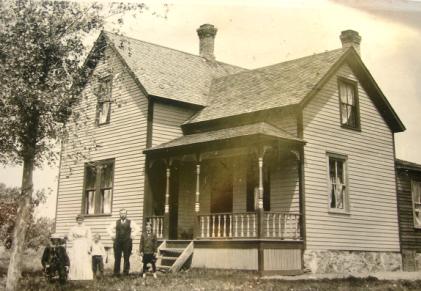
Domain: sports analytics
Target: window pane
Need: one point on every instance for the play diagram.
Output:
(90, 202)
(337, 187)
(106, 201)
(90, 177)
(350, 94)
(104, 112)
(342, 92)
(417, 214)
(107, 175)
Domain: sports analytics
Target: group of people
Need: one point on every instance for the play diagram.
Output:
(85, 258)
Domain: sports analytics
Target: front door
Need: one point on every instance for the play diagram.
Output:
(222, 186)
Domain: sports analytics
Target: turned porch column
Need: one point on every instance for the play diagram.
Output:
(197, 202)
(260, 214)
(166, 230)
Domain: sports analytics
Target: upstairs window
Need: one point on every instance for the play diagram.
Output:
(98, 187)
(416, 202)
(338, 190)
(348, 104)
(104, 101)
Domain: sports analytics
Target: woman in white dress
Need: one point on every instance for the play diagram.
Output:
(80, 258)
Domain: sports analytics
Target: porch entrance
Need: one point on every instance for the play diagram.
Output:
(221, 172)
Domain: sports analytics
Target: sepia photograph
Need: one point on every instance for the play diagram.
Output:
(210, 145)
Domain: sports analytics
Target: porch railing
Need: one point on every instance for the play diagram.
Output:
(276, 225)
(228, 225)
(157, 223)
(282, 225)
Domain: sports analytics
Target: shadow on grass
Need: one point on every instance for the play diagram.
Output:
(203, 279)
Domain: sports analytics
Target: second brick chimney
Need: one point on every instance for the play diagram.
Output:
(351, 38)
(206, 33)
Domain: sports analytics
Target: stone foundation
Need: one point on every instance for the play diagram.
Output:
(333, 261)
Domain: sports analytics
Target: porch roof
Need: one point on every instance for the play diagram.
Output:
(240, 134)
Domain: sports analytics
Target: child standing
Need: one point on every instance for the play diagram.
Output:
(97, 253)
(148, 249)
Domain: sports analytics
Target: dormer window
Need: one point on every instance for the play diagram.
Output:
(104, 101)
(348, 99)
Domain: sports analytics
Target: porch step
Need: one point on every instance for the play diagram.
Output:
(168, 258)
(172, 257)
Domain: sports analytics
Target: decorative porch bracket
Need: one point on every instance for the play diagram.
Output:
(166, 230)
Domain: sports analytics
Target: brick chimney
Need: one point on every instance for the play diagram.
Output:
(351, 38)
(206, 33)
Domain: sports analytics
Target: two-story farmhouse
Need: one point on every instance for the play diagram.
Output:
(280, 168)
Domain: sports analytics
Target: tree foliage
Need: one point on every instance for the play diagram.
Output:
(42, 48)
(39, 229)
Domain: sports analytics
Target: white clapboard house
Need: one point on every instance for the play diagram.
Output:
(282, 168)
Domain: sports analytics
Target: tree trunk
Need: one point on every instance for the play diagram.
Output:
(21, 226)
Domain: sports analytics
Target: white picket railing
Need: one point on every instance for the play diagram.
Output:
(282, 225)
(157, 223)
(228, 225)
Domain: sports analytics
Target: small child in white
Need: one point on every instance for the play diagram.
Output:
(97, 253)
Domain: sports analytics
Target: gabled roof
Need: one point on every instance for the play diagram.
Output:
(169, 73)
(289, 83)
(405, 165)
(269, 87)
(261, 128)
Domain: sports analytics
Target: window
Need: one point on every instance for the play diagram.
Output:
(338, 200)
(98, 187)
(348, 104)
(104, 101)
(416, 202)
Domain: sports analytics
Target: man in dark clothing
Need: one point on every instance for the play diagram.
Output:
(148, 248)
(122, 231)
(55, 260)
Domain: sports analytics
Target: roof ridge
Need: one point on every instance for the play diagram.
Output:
(169, 48)
(285, 62)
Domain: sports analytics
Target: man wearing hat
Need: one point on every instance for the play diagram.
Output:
(121, 232)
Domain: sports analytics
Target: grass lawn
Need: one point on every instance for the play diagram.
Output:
(200, 279)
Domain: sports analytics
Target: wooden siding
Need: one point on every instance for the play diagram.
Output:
(220, 258)
(372, 222)
(410, 236)
(167, 119)
(123, 139)
(282, 259)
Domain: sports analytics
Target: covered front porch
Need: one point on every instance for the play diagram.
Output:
(235, 192)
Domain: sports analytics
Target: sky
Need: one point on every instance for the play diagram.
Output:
(255, 33)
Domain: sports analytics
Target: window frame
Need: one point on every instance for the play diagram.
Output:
(346, 201)
(416, 225)
(97, 192)
(354, 85)
(100, 100)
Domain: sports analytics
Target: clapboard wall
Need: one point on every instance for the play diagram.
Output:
(410, 236)
(123, 139)
(372, 222)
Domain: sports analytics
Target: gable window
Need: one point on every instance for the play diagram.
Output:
(98, 187)
(104, 101)
(416, 202)
(348, 104)
(338, 188)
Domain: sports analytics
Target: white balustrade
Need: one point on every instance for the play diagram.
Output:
(283, 225)
(228, 225)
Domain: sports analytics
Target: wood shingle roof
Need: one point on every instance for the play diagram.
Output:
(169, 73)
(260, 128)
(279, 85)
